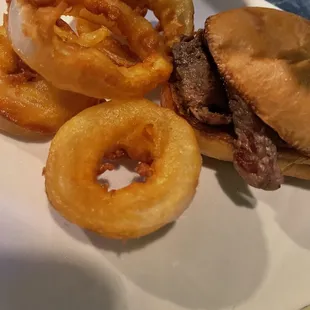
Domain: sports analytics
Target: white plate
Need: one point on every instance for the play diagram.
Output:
(235, 248)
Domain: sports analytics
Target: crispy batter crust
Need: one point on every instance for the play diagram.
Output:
(143, 130)
(88, 70)
(30, 106)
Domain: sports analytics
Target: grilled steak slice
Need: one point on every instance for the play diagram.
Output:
(255, 154)
(196, 85)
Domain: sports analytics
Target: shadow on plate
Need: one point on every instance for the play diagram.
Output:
(116, 246)
(120, 247)
(302, 184)
(231, 183)
(36, 146)
(70, 229)
(290, 203)
(28, 139)
(237, 190)
(223, 5)
(36, 283)
(214, 257)
(292, 210)
(154, 95)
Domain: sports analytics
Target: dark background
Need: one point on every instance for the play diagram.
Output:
(301, 7)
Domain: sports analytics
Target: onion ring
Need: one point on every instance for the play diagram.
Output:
(119, 53)
(72, 67)
(147, 133)
(29, 106)
(176, 17)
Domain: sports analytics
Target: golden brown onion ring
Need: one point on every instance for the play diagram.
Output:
(73, 67)
(176, 17)
(147, 133)
(117, 51)
(29, 106)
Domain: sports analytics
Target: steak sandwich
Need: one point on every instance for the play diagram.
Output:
(243, 83)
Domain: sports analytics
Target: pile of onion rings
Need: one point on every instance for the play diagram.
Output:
(30, 106)
(161, 140)
(52, 83)
(89, 70)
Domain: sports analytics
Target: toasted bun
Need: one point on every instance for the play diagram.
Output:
(263, 55)
(219, 145)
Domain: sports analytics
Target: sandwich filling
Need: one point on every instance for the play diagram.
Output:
(199, 93)
(255, 154)
(202, 97)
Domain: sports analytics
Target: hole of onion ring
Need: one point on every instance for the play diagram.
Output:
(121, 172)
(70, 21)
(152, 19)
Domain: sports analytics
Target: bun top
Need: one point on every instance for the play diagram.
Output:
(264, 56)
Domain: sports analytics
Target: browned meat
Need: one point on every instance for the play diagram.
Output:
(199, 92)
(255, 155)
(201, 98)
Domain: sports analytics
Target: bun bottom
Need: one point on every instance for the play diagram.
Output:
(219, 145)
